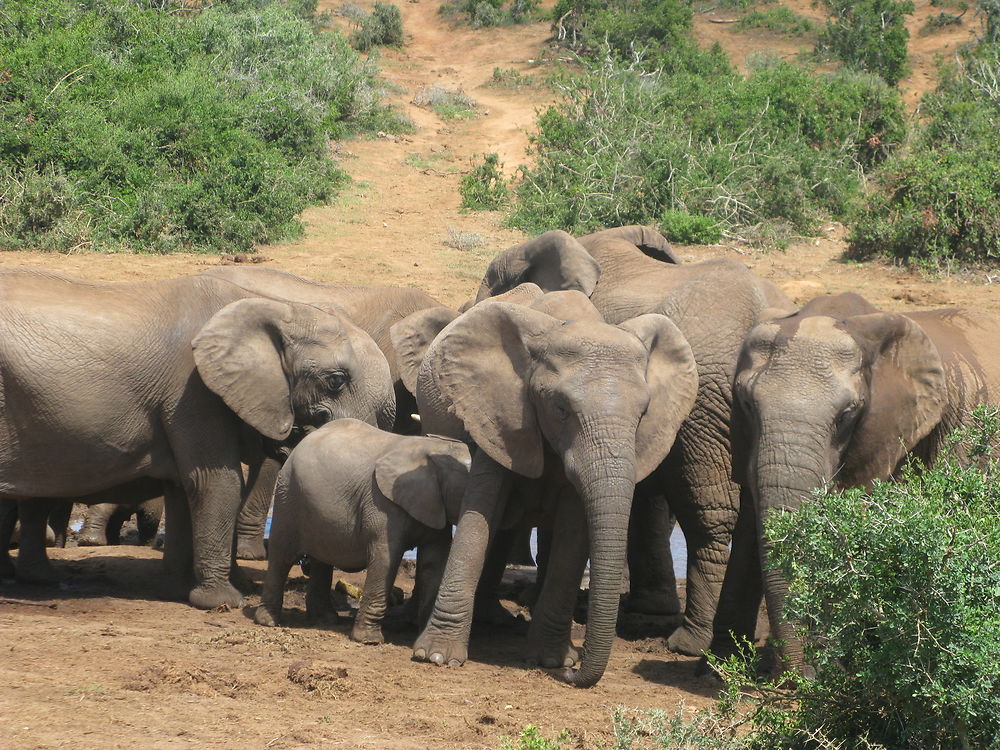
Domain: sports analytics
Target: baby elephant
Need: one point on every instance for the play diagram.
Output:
(355, 497)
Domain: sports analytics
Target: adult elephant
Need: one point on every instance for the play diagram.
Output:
(838, 395)
(176, 380)
(373, 309)
(714, 303)
(550, 392)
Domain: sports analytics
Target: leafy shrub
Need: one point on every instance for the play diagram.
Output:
(485, 188)
(447, 103)
(136, 126)
(480, 13)
(941, 201)
(689, 229)
(510, 78)
(868, 34)
(383, 27)
(898, 592)
(781, 20)
(531, 738)
(781, 145)
(940, 21)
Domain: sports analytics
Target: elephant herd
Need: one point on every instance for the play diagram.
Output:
(595, 388)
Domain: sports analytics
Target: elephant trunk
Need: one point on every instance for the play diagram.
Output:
(606, 486)
(783, 484)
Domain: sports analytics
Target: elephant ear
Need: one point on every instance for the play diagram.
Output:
(554, 261)
(407, 476)
(649, 240)
(411, 338)
(672, 379)
(522, 294)
(481, 364)
(238, 354)
(907, 394)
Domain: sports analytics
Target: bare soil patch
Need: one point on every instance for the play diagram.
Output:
(103, 663)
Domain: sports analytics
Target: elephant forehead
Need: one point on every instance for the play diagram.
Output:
(817, 345)
(589, 341)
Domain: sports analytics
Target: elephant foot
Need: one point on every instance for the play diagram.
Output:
(212, 595)
(38, 574)
(689, 642)
(434, 647)
(250, 548)
(320, 607)
(370, 634)
(92, 540)
(653, 602)
(263, 616)
(551, 656)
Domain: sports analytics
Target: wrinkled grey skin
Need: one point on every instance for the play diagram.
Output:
(174, 380)
(584, 408)
(838, 395)
(355, 497)
(714, 303)
(373, 309)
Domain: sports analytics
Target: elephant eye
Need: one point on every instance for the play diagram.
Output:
(337, 380)
(561, 412)
(847, 416)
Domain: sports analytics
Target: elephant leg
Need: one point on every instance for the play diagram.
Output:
(147, 519)
(549, 640)
(383, 564)
(95, 524)
(707, 516)
(742, 588)
(520, 553)
(119, 516)
(318, 603)
(59, 520)
(283, 557)
(652, 583)
(529, 597)
(178, 548)
(445, 639)
(488, 609)
(253, 515)
(33, 564)
(431, 560)
(8, 519)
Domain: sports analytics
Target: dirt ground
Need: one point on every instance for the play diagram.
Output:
(101, 663)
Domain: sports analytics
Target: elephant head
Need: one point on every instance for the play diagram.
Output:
(606, 400)
(426, 477)
(833, 395)
(278, 364)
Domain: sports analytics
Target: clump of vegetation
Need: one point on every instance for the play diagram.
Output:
(940, 201)
(485, 188)
(383, 27)
(780, 20)
(690, 229)
(869, 35)
(780, 146)
(448, 104)
(480, 13)
(510, 78)
(531, 738)
(160, 127)
(897, 593)
(940, 21)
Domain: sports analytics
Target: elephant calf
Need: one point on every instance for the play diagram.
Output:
(355, 497)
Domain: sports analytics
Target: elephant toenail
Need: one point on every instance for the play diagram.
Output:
(437, 658)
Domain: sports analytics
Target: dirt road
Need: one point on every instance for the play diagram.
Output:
(99, 664)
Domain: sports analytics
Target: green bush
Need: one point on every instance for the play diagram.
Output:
(480, 13)
(898, 593)
(941, 200)
(150, 126)
(780, 145)
(383, 27)
(868, 34)
(689, 229)
(485, 188)
(781, 20)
